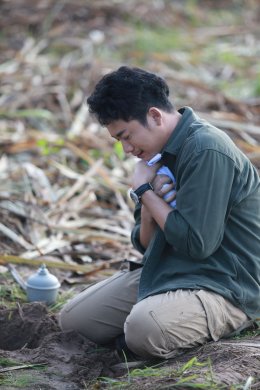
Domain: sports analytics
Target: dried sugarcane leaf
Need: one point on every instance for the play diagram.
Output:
(22, 367)
(6, 259)
(45, 246)
(79, 121)
(40, 183)
(101, 171)
(15, 237)
(81, 181)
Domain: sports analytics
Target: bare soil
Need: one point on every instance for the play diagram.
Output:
(29, 334)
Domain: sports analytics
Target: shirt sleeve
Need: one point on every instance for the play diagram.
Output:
(135, 235)
(196, 227)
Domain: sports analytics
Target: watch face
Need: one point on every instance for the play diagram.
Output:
(134, 197)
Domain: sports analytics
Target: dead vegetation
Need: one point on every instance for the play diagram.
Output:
(64, 183)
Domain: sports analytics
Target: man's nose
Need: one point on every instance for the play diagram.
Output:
(128, 148)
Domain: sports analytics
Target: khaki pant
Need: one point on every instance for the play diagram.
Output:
(161, 325)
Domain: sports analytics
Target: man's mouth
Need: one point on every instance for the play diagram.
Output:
(140, 155)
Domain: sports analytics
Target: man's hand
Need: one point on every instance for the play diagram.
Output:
(163, 185)
(144, 174)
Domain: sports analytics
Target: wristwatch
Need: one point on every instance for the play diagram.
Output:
(136, 195)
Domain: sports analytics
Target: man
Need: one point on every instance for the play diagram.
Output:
(200, 274)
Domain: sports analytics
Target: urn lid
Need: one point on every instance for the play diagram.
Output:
(43, 279)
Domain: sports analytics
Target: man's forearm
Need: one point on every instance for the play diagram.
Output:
(157, 208)
(148, 226)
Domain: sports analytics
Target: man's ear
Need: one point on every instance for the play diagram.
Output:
(155, 115)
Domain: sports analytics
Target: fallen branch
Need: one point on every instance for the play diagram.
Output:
(228, 124)
(17, 277)
(22, 367)
(6, 259)
(243, 344)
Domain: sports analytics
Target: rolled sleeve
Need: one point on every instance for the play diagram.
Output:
(135, 238)
(135, 234)
(176, 231)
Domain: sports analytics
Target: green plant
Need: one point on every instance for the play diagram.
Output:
(47, 147)
(11, 294)
(6, 362)
(193, 374)
(151, 40)
(18, 380)
(119, 151)
(257, 85)
(62, 298)
(28, 113)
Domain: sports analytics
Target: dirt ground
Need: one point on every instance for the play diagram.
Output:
(29, 334)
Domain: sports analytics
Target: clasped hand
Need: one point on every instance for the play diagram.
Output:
(162, 184)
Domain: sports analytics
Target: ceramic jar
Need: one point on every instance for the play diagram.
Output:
(42, 286)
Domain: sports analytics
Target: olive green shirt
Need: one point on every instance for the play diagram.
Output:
(211, 240)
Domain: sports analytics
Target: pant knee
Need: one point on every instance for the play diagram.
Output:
(160, 326)
(68, 321)
(143, 335)
(99, 312)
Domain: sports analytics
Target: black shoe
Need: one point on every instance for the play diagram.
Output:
(123, 353)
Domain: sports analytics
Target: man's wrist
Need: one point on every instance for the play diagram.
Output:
(137, 194)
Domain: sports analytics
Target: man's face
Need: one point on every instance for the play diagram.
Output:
(141, 141)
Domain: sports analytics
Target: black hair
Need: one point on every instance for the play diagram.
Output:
(127, 94)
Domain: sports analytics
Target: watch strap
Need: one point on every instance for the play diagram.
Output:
(143, 188)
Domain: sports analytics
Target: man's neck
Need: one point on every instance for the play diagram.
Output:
(171, 121)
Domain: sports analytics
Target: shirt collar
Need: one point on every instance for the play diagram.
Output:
(180, 132)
